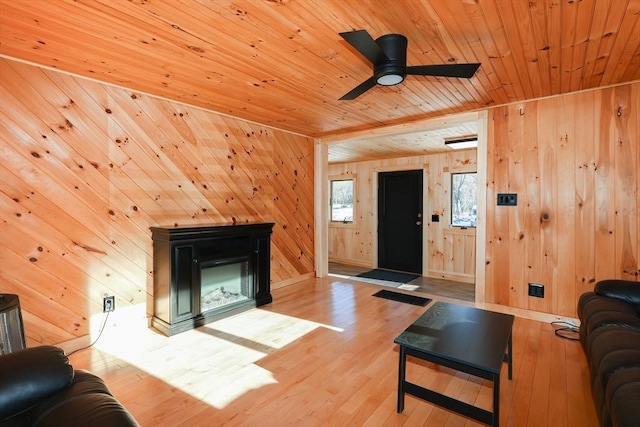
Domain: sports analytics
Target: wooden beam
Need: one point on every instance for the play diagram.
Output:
(404, 128)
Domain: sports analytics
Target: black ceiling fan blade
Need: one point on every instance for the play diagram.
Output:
(365, 44)
(444, 70)
(359, 90)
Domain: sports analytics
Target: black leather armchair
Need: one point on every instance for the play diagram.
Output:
(38, 387)
(610, 337)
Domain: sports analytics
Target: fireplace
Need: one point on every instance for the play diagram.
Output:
(224, 282)
(201, 274)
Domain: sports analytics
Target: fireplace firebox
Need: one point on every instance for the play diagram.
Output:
(205, 273)
(224, 282)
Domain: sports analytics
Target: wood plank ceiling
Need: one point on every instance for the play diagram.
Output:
(282, 63)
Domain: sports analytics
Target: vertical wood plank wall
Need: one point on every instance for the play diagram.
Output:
(574, 161)
(87, 168)
(354, 243)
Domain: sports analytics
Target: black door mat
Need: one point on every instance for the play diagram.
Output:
(392, 276)
(397, 296)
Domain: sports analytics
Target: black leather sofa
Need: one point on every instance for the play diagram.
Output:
(610, 337)
(39, 387)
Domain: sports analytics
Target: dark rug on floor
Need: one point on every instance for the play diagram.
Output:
(392, 276)
(397, 296)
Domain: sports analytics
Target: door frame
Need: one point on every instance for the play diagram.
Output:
(321, 228)
(447, 227)
(374, 183)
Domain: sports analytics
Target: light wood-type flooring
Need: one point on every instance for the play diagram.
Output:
(322, 354)
(427, 285)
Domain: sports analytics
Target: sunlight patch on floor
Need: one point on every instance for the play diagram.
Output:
(408, 287)
(230, 349)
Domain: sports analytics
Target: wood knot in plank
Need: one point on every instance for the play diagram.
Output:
(89, 248)
(544, 218)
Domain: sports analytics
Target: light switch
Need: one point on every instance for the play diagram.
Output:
(507, 199)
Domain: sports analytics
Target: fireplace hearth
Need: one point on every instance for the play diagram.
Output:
(205, 273)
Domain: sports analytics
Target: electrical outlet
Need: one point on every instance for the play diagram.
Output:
(536, 290)
(108, 304)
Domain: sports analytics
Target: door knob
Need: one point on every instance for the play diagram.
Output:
(418, 222)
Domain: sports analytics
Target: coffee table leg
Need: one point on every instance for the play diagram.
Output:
(401, 376)
(510, 350)
(496, 399)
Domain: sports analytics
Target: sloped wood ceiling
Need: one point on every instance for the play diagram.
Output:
(87, 168)
(283, 64)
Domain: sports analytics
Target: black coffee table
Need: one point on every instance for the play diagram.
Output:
(467, 339)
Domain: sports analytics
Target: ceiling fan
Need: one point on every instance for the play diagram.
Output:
(388, 54)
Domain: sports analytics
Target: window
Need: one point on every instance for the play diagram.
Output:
(464, 211)
(342, 198)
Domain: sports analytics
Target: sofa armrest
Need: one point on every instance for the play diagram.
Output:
(87, 400)
(625, 290)
(30, 375)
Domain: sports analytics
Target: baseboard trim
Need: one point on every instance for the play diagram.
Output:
(458, 277)
(354, 262)
(292, 280)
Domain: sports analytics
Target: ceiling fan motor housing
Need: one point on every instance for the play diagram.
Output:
(388, 55)
(392, 69)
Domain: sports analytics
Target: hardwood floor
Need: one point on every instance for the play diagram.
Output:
(322, 354)
(425, 285)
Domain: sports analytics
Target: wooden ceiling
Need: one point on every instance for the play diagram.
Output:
(282, 63)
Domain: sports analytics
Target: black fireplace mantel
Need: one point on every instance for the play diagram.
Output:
(178, 253)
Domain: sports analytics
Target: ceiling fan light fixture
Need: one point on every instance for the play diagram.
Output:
(390, 79)
(388, 55)
(463, 142)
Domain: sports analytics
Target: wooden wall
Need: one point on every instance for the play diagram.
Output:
(447, 253)
(87, 168)
(574, 161)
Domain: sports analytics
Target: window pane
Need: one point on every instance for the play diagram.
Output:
(342, 200)
(464, 211)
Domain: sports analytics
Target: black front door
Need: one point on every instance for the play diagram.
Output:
(400, 221)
